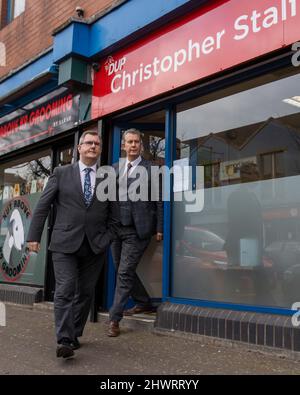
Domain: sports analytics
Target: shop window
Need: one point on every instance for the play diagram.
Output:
(211, 174)
(25, 178)
(247, 139)
(272, 167)
(21, 184)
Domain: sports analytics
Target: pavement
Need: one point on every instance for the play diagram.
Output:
(28, 348)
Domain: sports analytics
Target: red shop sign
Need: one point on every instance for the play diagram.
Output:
(38, 120)
(216, 37)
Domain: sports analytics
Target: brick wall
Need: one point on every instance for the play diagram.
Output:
(3, 12)
(31, 33)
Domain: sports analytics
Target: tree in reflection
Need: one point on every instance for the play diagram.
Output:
(37, 169)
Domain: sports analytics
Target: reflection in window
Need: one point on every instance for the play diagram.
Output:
(272, 165)
(24, 177)
(153, 147)
(65, 156)
(247, 138)
(150, 267)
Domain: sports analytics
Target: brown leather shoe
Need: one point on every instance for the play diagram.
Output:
(114, 329)
(139, 310)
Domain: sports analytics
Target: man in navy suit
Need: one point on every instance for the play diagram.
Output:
(139, 220)
(79, 239)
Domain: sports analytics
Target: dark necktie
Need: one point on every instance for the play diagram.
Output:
(129, 166)
(125, 206)
(87, 190)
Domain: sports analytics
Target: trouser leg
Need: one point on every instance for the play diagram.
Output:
(138, 292)
(89, 270)
(116, 248)
(65, 270)
(131, 253)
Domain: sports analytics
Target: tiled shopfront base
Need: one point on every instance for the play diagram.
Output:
(20, 294)
(252, 328)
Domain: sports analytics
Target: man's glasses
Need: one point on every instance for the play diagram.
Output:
(91, 143)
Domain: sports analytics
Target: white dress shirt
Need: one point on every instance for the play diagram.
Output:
(134, 164)
(82, 167)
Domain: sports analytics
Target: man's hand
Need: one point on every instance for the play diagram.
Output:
(33, 246)
(159, 236)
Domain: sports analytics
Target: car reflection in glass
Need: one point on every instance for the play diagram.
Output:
(206, 273)
(208, 246)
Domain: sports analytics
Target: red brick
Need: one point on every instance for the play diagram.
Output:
(31, 33)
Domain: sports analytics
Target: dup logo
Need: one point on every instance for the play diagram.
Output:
(111, 66)
(2, 314)
(15, 221)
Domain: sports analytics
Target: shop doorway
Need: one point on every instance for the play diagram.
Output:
(149, 269)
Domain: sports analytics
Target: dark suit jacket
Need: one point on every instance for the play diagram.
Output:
(147, 216)
(73, 219)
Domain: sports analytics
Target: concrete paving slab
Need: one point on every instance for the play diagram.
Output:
(28, 347)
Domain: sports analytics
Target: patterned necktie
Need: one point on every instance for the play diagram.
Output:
(87, 190)
(129, 166)
(125, 206)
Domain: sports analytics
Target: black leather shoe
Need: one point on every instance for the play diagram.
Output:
(64, 350)
(75, 344)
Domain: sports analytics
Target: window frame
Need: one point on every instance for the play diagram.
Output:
(8, 9)
(242, 73)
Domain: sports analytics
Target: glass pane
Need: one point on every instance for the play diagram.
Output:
(279, 164)
(149, 269)
(19, 7)
(65, 156)
(244, 246)
(266, 166)
(25, 178)
(22, 182)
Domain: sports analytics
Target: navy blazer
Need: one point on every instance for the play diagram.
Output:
(147, 215)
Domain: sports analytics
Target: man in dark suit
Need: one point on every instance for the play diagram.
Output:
(79, 239)
(139, 220)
